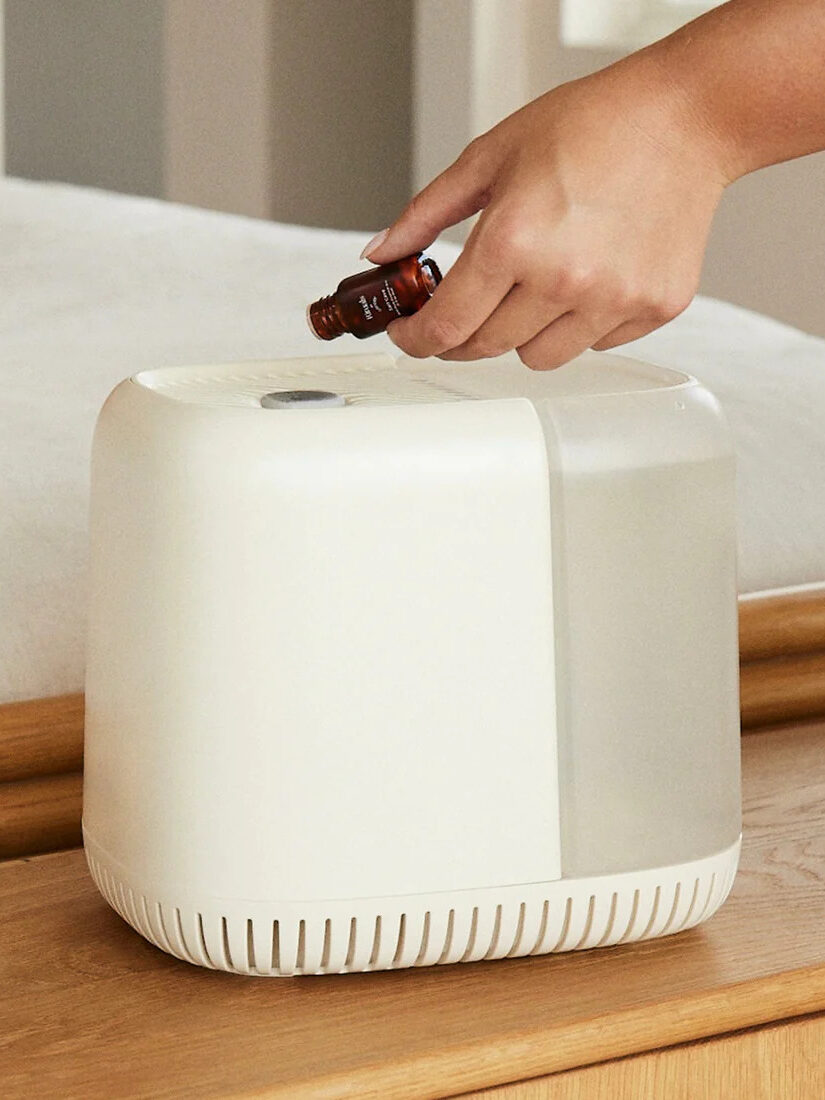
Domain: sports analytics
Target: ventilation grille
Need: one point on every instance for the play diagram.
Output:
(380, 380)
(359, 382)
(395, 939)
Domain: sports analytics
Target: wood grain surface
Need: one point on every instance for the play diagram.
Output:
(782, 689)
(780, 1062)
(774, 624)
(91, 1010)
(40, 815)
(41, 737)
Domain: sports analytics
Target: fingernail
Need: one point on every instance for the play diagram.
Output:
(376, 241)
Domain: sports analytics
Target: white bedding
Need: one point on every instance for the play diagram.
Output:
(95, 286)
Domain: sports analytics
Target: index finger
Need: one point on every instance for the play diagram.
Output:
(464, 299)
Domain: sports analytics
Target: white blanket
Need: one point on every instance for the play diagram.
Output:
(95, 286)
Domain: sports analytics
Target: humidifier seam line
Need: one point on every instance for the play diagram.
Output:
(381, 900)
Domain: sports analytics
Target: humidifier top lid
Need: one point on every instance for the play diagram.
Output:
(382, 380)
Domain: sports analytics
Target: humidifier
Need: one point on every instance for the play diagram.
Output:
(394, 663)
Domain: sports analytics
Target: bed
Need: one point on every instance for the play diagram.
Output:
(95, 286)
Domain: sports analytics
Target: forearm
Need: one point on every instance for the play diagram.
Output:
(597, 197)
(753, 73)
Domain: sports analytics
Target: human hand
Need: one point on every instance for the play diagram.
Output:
(597, 200)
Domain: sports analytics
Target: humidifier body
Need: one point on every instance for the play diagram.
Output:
(410, 663)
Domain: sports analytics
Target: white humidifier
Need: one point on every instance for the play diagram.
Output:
(401, 663)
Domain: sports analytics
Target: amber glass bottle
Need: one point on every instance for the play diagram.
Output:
(364, 304)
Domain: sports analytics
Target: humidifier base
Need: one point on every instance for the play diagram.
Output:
(286, 938)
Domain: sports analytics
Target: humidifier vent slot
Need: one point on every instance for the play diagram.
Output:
(115, 894)
(111, 891)
(181, 938)
(164, 937)
(425, 938)
(147, 918)
(491, 950)
(568, 915)
(133, 914)
(542, 932)
(352, 943)
(126, 894)
(142, 914)
(120, 891)
(693, 899)
(101, 877)
(202, 942)
(611, 920)
(471, 938)
(276, 946)
(120, 894)
(376, 943)
(673, 909)
(588, 923)
(300, 955)
(448, 938)
(227, 954)
(706, 906)
(634, 913)
(250, 946)
(325, 950)
(132, 904)
(522, 910)
(402, 935)
(654, 911)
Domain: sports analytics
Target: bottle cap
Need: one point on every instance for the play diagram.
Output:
(312, 327)
(430, 271)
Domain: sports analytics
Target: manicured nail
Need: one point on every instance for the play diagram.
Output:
(376, 242)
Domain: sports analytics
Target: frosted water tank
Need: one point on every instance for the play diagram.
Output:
(394, 663)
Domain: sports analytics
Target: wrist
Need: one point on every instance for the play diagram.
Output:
(703, 131)
(665, 110)
(685, 65)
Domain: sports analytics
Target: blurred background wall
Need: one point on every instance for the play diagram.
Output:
(84, 92)
(332, 113)
(294, 111)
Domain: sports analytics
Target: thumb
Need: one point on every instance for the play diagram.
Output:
(461, 190)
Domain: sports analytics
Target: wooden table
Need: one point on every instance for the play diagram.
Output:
(90, 1010)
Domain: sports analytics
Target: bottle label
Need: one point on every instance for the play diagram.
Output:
(390, 298)
(385, 301)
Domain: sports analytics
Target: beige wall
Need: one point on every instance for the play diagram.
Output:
(767, 248)
(217, 132)
(83, 92)
(2, 95)
(294, 111)
(342, 117)
(471, 68)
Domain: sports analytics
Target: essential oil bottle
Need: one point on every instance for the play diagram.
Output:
(364, 304)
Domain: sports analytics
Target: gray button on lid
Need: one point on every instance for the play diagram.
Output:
(302, 399)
